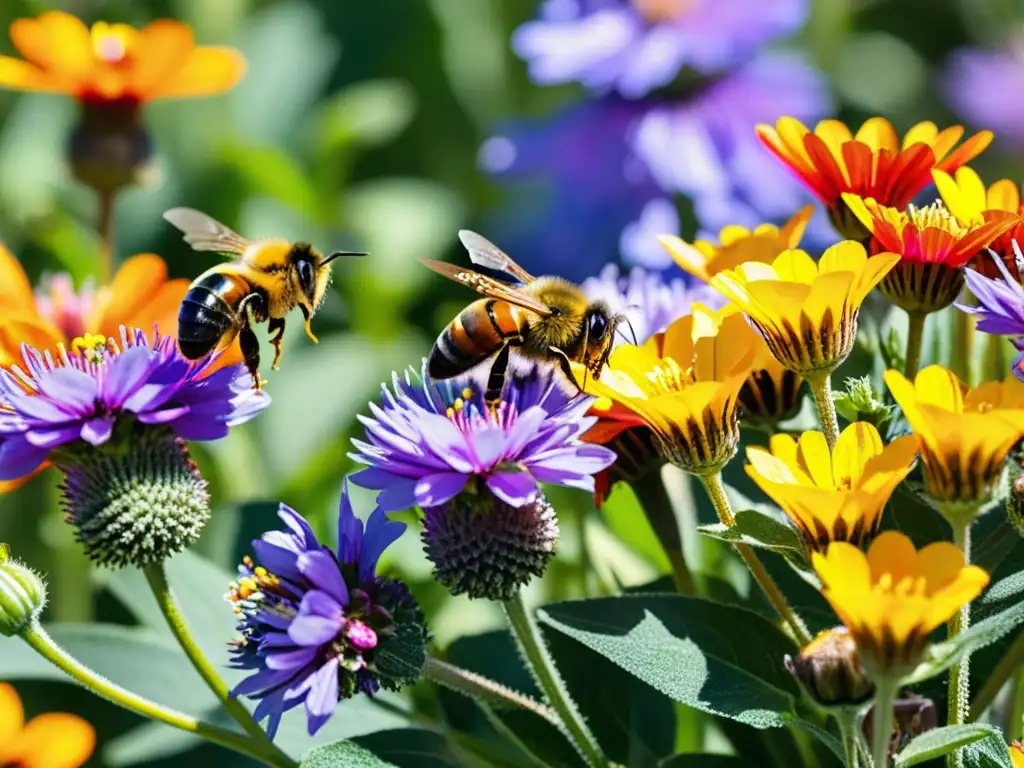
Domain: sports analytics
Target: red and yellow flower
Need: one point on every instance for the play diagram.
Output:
(967, 198)
(51, 740)
(1017, 754)
(873, 163)
(933, 246)
(736, 245)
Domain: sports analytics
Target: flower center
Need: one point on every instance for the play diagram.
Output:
(469, 412)
(67, 309)
(657, 11)
(110, 42)
(669, 377)
(91, 346)
(935, 215)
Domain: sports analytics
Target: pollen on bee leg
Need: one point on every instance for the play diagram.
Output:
(309, 332)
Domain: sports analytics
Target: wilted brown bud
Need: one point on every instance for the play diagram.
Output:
(109, 147)
(1015, 504)
(830, 670)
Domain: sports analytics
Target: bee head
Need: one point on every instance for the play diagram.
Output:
(600, 332)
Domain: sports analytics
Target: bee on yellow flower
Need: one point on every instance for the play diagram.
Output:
(51, 740)
(873, 163)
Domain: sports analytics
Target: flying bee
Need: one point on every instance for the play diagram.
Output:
(265, 281)
(545, 318)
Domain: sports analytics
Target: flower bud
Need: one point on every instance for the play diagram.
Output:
(483, 547)
(830, 670)
(860, 402)
(109, 147)
(1015, 499)
(134, 501)
(22, 595)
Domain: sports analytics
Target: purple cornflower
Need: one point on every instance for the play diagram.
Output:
(635, 46)
(80, 396)
(649, 300)
(1000, 308)
(318, 625)
(428, 440)
(976, 84)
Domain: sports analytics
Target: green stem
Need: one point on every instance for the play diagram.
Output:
(915, 336)
(1010, 663)
(881, 728)
(716, 492)
(958, 696)
(542, 666)
(484, 689)
(963, 341)
(46, 647)
(847, 722)
(821, 387)
(660, 514)
(105, 230)
(156, 575)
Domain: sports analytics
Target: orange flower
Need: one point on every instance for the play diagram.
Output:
(874, 163)
(139, 296)
(115, 62)
(52, 740)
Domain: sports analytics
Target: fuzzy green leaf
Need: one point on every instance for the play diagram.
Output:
(758, 528)
(941, 741)
(342, 753)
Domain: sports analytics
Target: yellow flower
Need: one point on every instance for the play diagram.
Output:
(893, 596)
(736, 245)
(684, 384)
(873, 163)
(1017, 754)
(933, 247)
(967, 199)
(807, 311)
(836, 495)
(964, 434)
(53, 740)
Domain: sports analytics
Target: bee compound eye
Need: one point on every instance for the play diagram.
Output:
(598, 327)
(306, 276)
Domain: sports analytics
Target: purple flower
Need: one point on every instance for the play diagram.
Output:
(977, 83)
(80, 396)
(317, 625)
(648, 299)
(427, 440)
(634, 46)
(1000, 308)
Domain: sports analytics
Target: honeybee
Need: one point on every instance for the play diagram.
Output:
(545, 318)
(265, 281)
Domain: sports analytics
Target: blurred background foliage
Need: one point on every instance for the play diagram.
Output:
(358, 126)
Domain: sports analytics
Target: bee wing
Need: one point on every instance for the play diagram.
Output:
(204, 233)
(488, 286)
(484, 253)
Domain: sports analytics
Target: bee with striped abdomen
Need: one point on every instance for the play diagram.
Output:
(265, 281)
(545, 318)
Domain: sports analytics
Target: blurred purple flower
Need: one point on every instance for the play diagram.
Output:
(635, 46)
(428, 439)
(316, 624)
(1000, 308)
(976, 84)
(649, 299)
(80, 397)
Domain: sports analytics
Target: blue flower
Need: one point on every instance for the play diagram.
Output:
(427, 440)
(318, 625)
(1000, 308)
(978, 84)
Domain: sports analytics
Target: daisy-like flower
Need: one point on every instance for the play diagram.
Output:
(806, 310)
(832, 495)
(967, 198)
(684, 386)
(50, 740)
(634, 46)
(1000, 307)
(933, 246)
(964, 434)
(737, 245)
(1017, 754)
(114, 418)
(893, 596)
(771, 392)
(873, 163)
(475, 470)
(138, 296)
(318, 625)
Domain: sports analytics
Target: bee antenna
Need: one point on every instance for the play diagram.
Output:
(331, 257)
(618, 320)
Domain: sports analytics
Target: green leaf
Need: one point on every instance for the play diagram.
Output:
(408, 748)
(940, 741)
(342, 754)
(369, 113)
(717, 658)
(990, 752)
(272, 171)
(758, 528)
(701, 760)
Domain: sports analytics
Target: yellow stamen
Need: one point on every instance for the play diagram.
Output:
(91, 345)
(935, 215)
(670, 377)
(110, 42)
(467, 393)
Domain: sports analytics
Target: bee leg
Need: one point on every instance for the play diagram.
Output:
(496, 379)
(251, 354)
(276, 327)
(565, 365)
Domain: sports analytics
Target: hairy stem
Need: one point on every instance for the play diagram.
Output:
(542, 666)
(881, 731)
(484, 689)
(915, 336)
(156, 575)
(46, 647)
(821, 387)
(716, 491)
(847, 722)
(660, 514)
(958, 695)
